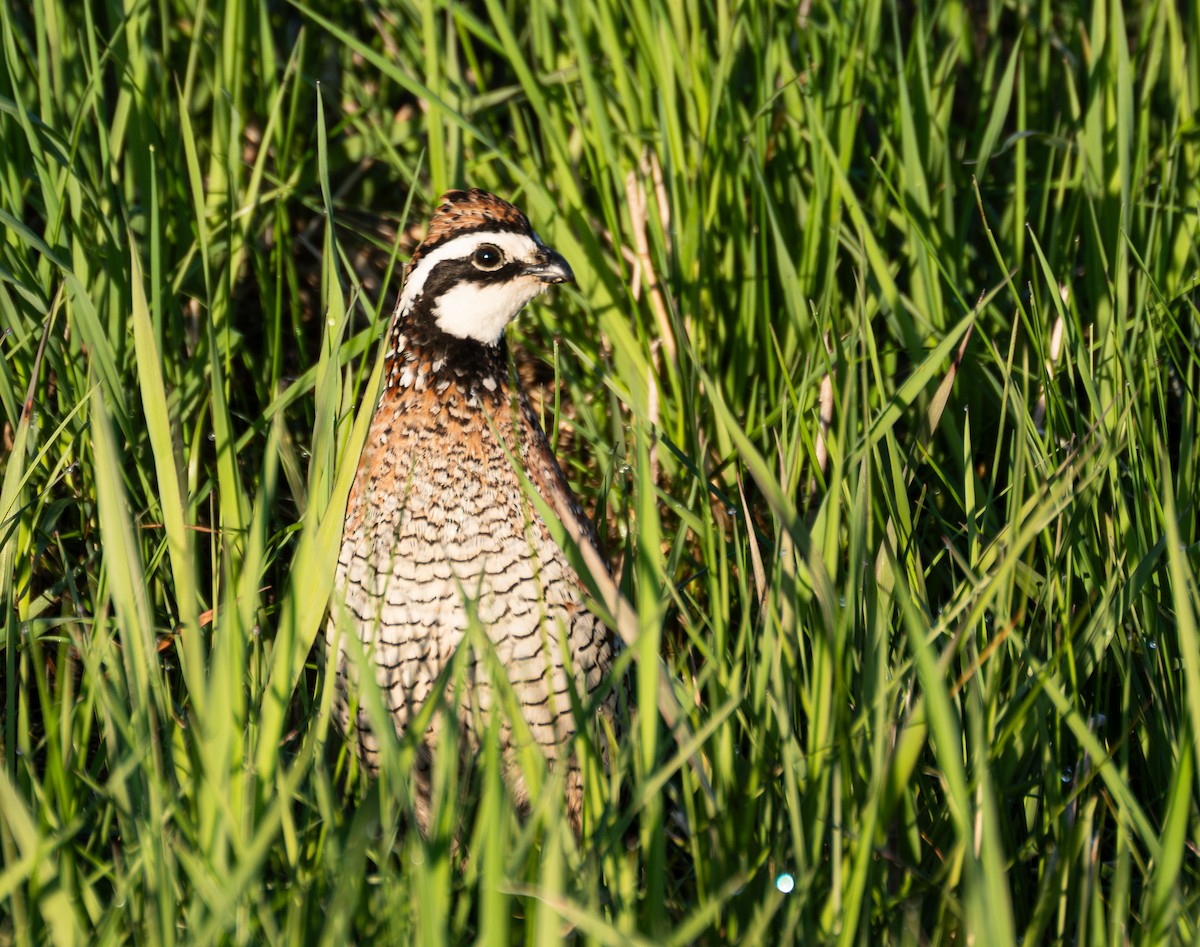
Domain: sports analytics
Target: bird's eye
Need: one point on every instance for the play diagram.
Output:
(488, 257)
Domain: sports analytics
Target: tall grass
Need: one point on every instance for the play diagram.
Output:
(879, 374)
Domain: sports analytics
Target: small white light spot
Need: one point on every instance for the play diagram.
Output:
(785, 883)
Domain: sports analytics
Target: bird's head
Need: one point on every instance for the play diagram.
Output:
(480, 263)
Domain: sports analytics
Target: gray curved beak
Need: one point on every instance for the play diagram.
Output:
(551, 268)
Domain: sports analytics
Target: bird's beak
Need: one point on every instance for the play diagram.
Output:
(551, 268)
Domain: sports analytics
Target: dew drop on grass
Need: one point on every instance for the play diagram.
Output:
(1152, 644)
(785, 883)
(1067, 775)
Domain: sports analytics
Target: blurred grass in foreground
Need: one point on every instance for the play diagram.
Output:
(880, 376)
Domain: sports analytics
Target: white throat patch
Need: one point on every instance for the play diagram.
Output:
(482, 311)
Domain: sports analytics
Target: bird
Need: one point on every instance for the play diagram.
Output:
(440, 532)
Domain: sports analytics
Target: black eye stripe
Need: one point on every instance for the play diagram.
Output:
(449, 273)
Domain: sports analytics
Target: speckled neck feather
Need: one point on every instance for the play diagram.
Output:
(420, 356)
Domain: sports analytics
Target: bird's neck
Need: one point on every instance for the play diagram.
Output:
(421, 358)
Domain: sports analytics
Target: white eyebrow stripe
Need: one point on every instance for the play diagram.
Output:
(516, 246)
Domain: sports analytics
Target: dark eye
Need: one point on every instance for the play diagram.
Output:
(488, 257)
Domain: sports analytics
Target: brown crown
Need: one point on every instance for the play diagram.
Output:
(460, 212)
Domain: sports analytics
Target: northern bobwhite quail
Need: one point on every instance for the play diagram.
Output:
(438, 524)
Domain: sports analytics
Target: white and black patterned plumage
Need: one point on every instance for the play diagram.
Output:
(437, 522)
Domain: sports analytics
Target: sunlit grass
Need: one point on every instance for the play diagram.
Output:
(879, 375)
